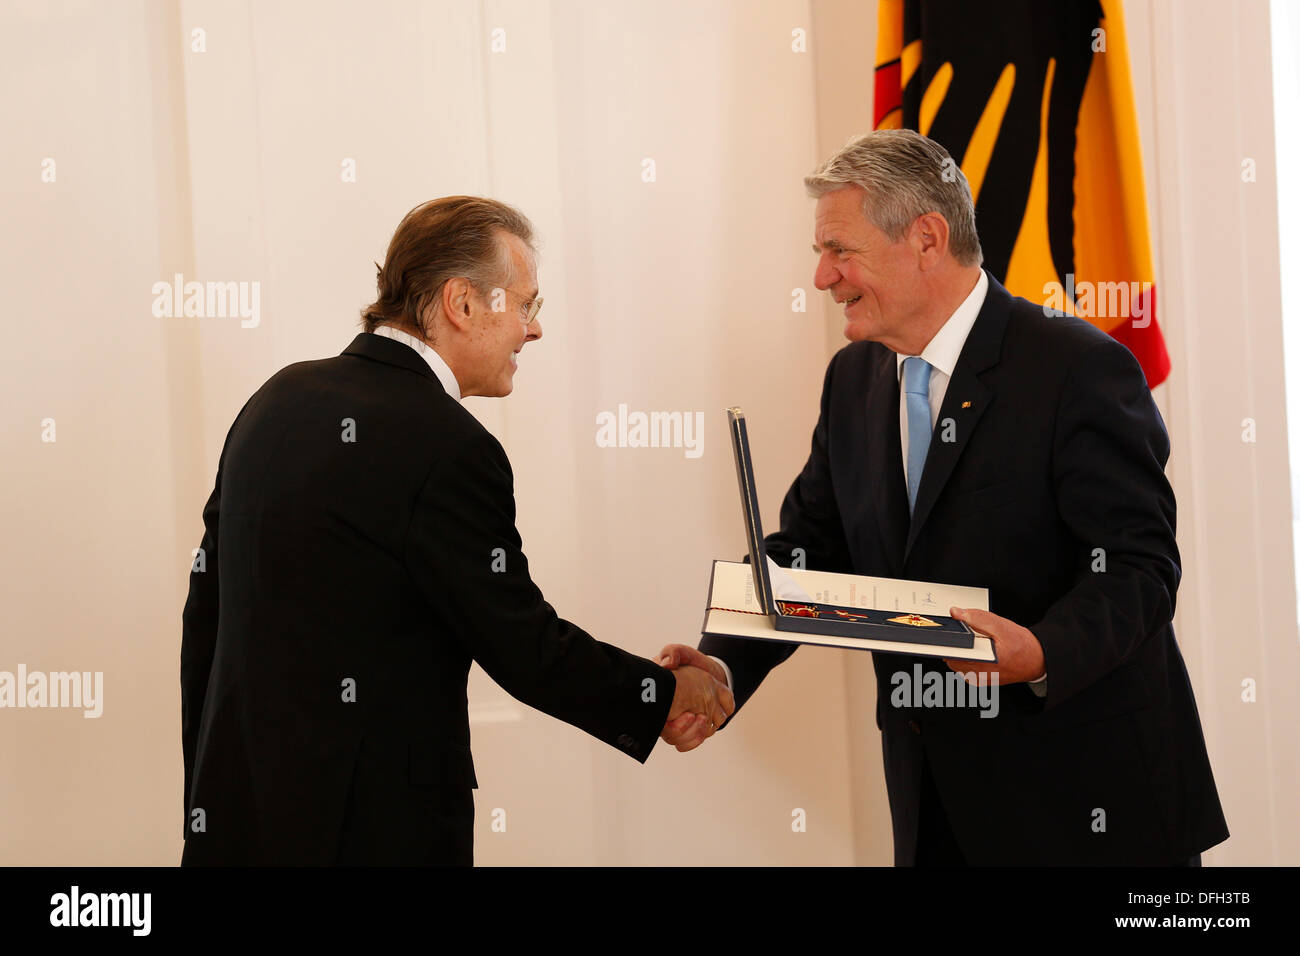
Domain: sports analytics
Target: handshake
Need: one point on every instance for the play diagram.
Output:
(702, 702)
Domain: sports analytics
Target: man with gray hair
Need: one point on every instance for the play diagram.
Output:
(970, 437)
(359, 552)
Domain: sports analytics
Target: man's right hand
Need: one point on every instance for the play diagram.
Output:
(703, 700)
(687, 730)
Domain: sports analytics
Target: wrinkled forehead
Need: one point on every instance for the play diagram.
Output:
(840, 214)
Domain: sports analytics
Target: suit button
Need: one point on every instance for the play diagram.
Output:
(916, 728)
(626, 742)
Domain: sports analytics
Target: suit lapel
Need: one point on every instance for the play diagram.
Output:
(883, 440)
(964, 403)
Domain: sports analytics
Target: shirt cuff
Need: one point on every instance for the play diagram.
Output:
(727, 670)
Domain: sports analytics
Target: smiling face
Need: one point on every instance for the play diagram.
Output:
(496, 337)
(875, 280)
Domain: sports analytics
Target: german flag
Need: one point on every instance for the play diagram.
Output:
(1034, 101)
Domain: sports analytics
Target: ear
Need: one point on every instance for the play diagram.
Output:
(457, 296)
(929, 237)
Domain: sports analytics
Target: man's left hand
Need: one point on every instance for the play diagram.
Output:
(1020, 656)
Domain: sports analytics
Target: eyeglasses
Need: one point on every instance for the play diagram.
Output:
(527, 310)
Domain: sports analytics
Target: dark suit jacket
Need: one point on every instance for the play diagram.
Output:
(373, 564)
(1060, 451)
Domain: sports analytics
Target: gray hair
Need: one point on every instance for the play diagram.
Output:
(905, 175)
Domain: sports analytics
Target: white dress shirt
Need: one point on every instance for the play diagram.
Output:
(434, 360)
(942, 353)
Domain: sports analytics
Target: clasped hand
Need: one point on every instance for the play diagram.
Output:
(702, 702)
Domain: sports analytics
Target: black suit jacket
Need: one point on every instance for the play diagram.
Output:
(1060, 452)
(348, 585)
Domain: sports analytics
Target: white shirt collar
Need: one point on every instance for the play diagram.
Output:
(435, 361)
(946, 346)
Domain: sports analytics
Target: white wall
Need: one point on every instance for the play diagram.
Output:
(1218, 272)
(672, 295)
(92, 569)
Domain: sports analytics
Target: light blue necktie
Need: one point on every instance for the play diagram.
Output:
(916, 385)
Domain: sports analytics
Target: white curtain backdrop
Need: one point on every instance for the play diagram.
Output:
(672, 294)
(659, 150)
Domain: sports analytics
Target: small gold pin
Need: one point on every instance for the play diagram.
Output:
(965, 404)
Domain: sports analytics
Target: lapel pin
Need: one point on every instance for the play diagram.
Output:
(965, 404)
